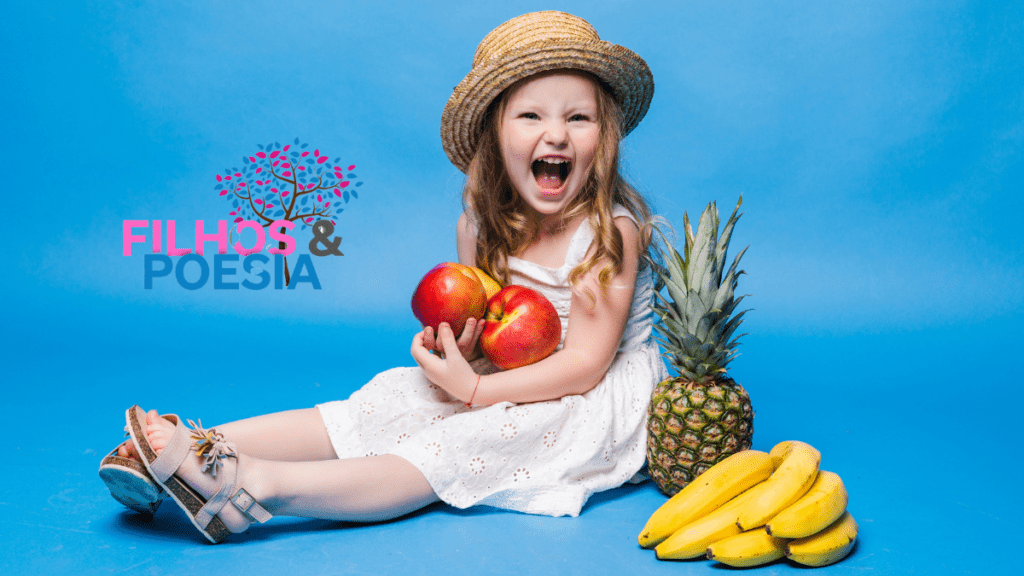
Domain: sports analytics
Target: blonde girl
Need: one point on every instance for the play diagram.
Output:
(535, 126)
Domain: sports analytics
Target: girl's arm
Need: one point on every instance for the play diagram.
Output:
(595, 331)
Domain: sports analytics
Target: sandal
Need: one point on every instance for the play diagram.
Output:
(130, 483)
(219, 457)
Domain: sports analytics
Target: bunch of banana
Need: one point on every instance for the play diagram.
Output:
(753, 508)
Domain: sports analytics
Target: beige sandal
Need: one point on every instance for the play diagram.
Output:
(219, 458)
(130, 483)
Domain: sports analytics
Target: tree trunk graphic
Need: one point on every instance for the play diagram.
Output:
(287, 184)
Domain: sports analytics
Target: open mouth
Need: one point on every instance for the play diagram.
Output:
(551, 173)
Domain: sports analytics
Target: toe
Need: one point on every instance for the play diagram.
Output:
(127, 450)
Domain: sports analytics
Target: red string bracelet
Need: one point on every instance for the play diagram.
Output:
(470, 403)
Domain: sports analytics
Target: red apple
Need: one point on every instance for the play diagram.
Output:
(450, 293)
(522, 328)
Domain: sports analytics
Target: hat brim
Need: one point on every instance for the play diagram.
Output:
(622, 70)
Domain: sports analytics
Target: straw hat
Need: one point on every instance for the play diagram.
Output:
(533, 43)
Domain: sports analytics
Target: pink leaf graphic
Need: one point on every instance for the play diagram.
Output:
(302, 167)
(302, 186)
(232, 213)
(306, 153)
(274, 154)
(321, 160)
(273, 190)
(258, 201)
(352, 167)
(241, 184)
(286, 165)
(223, 192)
(319, 198)
(218, 178)
(309, 220)
(287, 147)
(344, 184)
(251, 159)
(285, 193)
(277, 162)
(316, 152)
(258, 170)
(227, 177)
(286, 173)
(238, 174)
(237, 220)
(261, 154)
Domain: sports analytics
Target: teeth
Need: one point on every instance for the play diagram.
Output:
(553, 160)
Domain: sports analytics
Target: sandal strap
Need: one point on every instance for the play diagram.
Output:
(240, 498)
(248, 505)
(171, 457)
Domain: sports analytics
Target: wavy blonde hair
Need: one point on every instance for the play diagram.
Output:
(502, 227)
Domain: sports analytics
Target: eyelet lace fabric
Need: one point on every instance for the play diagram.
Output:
(539, 458)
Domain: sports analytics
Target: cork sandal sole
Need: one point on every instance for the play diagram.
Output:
(187, 498)
(130, 483)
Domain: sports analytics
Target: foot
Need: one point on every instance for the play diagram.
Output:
(127, 450)
(159, 431)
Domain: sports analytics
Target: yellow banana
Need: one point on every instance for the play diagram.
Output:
(797, 470)
(706, 492)
(751, 548)
(822, 505)
(779, 452)
(826, 547)
(693, 539)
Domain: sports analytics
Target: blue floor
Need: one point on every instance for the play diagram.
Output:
(924, 439)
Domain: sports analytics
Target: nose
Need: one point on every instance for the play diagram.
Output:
(556, 134)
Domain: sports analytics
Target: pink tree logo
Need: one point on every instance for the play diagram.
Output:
(288, 183)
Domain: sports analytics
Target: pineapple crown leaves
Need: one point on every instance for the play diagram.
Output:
(696, 317)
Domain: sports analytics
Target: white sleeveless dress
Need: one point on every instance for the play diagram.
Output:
(539, 458)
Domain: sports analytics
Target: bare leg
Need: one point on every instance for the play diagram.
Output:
(291, 436)
(356, 489)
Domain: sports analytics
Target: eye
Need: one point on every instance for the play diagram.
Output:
(529, 116)
(579, 118)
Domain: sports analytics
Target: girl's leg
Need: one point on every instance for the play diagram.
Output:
(292, 436)
(355, 489)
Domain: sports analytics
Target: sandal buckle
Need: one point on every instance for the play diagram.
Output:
(248, 506)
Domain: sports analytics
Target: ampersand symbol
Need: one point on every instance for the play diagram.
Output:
(322, 231)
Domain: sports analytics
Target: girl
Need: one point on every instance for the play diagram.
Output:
(535, 126)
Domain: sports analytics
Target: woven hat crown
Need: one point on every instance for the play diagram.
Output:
(531, 28)
(531, 44)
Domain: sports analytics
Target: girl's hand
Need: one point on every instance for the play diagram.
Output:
(449, 369)
(466, 342)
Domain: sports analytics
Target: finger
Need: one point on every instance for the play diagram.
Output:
(466, 337)
(428, 338)
(419, 352)
(417, 344)
(448, 342)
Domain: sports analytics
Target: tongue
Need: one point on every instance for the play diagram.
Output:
(548, 175)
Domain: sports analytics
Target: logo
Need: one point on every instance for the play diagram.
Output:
(275, 190)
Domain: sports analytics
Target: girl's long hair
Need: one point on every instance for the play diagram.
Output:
(500, 214)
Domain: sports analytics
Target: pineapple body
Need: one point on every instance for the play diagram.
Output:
(692, 426)
(701, 416)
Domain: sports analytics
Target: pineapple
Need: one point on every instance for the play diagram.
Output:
(700, 416)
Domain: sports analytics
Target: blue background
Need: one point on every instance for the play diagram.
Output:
(877, 145)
